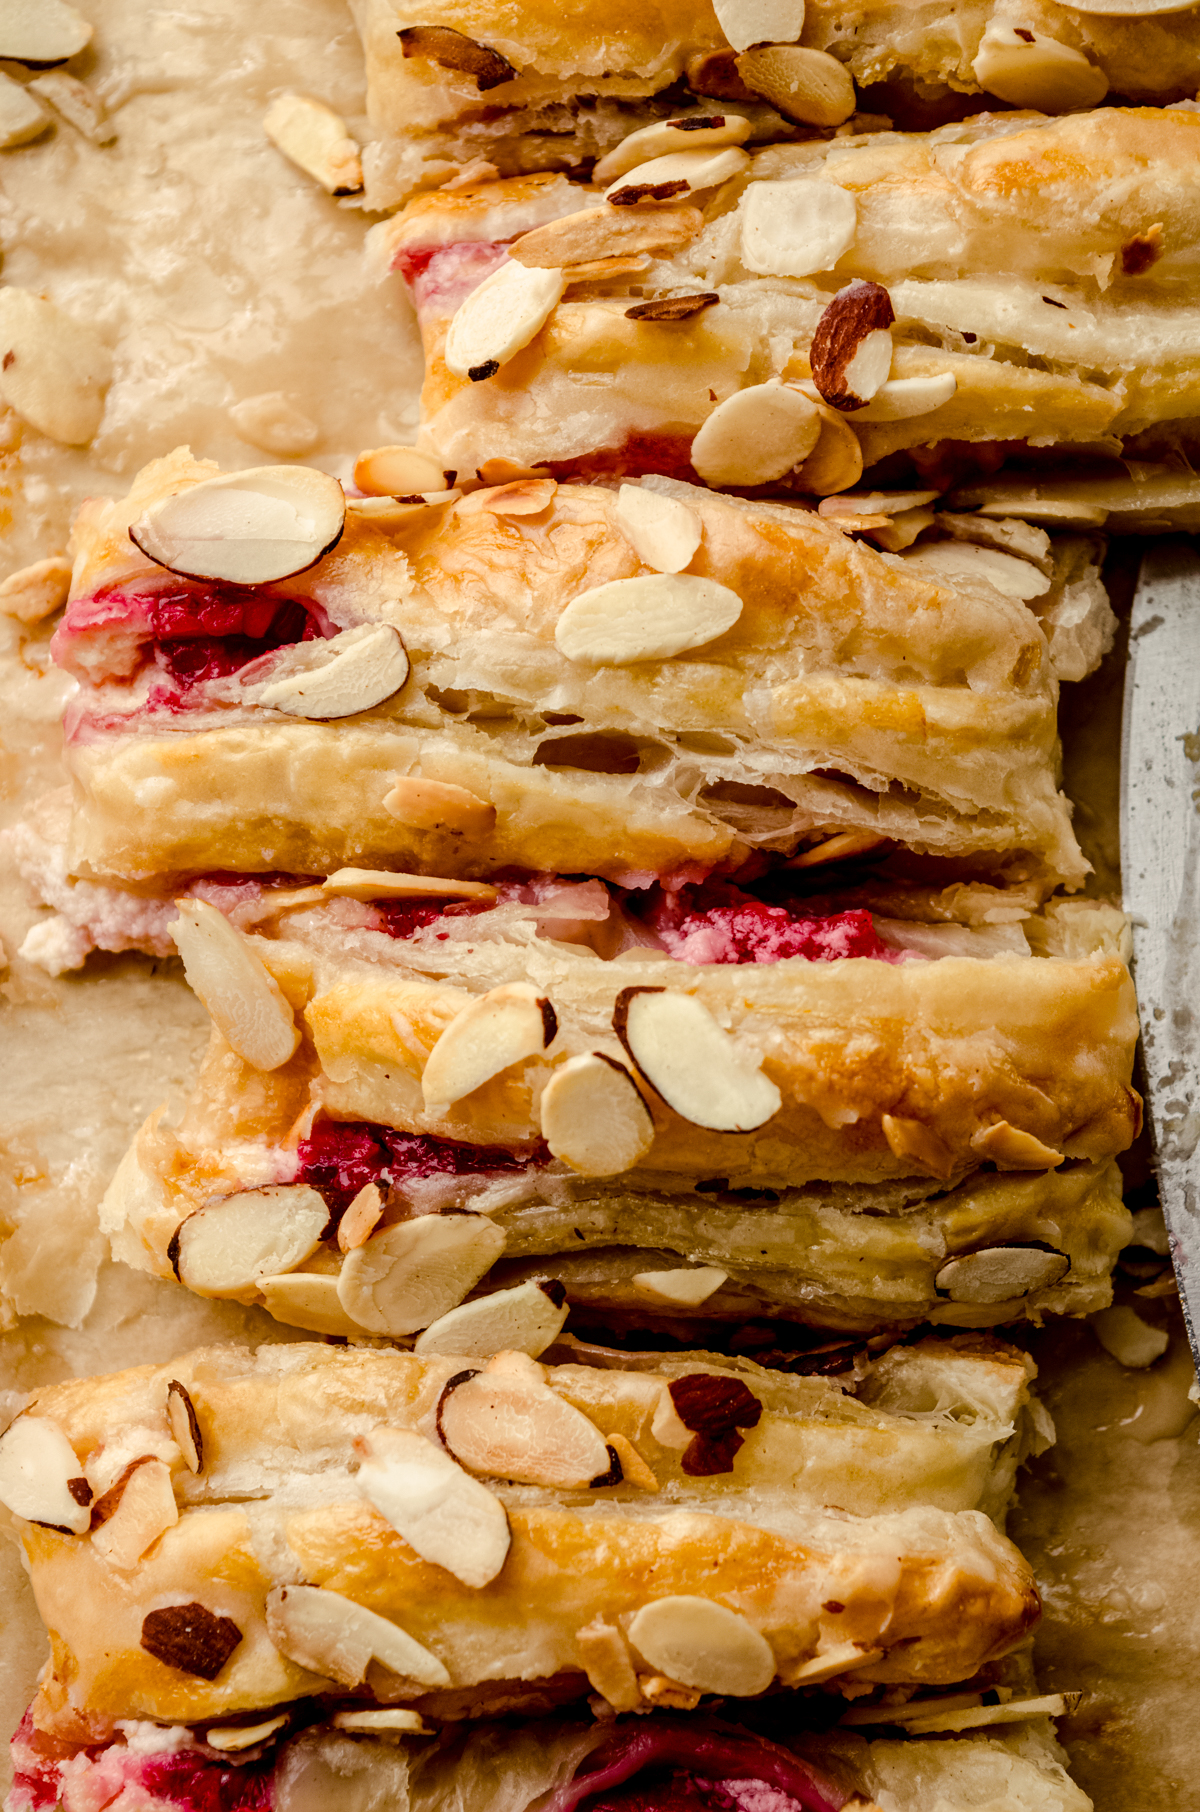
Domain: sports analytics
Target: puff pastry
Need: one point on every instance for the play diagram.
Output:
(573, 88)
(723, 1569)
(1038, 269)
(852, 1204)
(851, 694)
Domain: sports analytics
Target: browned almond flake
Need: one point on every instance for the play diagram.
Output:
(105, 1506)
(601, 270)
(185, 1424)
(191, 1638)
(671, 308)
(1143, 250)
(716, 74)
(605, 232)
(454, 50)
(636, 192)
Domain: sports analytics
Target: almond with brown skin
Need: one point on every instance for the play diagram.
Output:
(714, 1408)
(851, 352)
(145, 1510)
(525, 1319)
(454, 50)
(502, 1027)
(805, 85)
(593, 1117)
(185, 1425)
(332, 1635)
(698, 1070)
(517, 1428)
(190, 1638)
(41, 1478)
(672, 308)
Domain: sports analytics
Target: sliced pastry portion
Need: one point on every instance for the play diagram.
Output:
(541, 87)
(1011, 282)
(427, 1115)
(616, 681)
(234, 1534)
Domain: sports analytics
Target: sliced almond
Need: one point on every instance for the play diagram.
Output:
(308, 1299)
(54, 371)
(791, 229)
(360, 1219)
(398, 472)
(337, 1638)
(664, 1694)
(249, 528)
(747, 22)
(245, 1001)
(407, 1276)
(388, 1721)
(382, 884)
(146, 1510)
(21, 116)
(438, 805)
(40, 33)
(633, 1466)
(508, 309)
(593, 1117)
(184, 1424)
(836, 462)
(651, 618)
(677, 175)
(714, 72)
(314, 138)
(876, 503)
(272, 422)
(956, 562)
(521, 497)
(37, 591)
(805, 85)
(392, 514)
(679, 307)
(851, 351)
(843, 1658)
(902, 398)
(693, 133)
(525, 1319)
(450, 49)
(602, 270)
(1011, 1149)
(224, 1249)
(1131, 1341)
(704, 1645)
(512, 1428)
(1001, 1274)
(446, 1516)
(913, 1141)
(1032, 70)
(504, 1026)
(685, 1288)
(507, 471)
(79, 105)
(349, 673)
(697, 1068)
(662, 531)
(596, 233)
(838, 848)
(604, 1655)
(40, 1477)
(895, 533)
(232, 1739)
(1046, 1705)
(757, 435)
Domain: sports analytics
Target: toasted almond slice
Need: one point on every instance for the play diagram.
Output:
(840, 1660)
(407, 1276)
(747, 22)
(602, 270)
(54, 371)
(79, 105)
(40, 1477)
(398, 472)
(335, 1637)
(791, 229)
(895, 533)
(360, 1219)
(902, 398)
(231, 1739)
(876, 503)
(686, 1288)
(836, 461)
(958, 562)
(1011, 1149)
(677, 175)
(756, 435)
(511, 1364)
(1046, 1705)
(40, 33)
(37, 591)
(439, 805)
(837, 848)
(861, 1715)
(388, 1721)
(522, 497)
(679, 307)
(604, 1654)
(805, 85)
(593, 1117)
(1001, 1273)
(245, 1001)
(604, 232)
(525, 1319)
(913, 1140)
(225, 1248)
(449, 1518)
(349, 673)
(662, 531)
(512, 1428)
(633, 1466)
(500, 317)
(651, 618)
(248, 527)
(502, 1027)
(697, 1068)
(704, 1645)
(451, 49)
(145, 1511)
(693, 132)
(1032, 70)
(851, 350)
(308, 1299)
(21, 117)
(185, 1425)
(392, 514)
(382, 884)
(506, 471)
(1132, 1341)
(314, 138)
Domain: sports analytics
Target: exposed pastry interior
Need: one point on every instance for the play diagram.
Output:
(547, 88)
(1034, 276)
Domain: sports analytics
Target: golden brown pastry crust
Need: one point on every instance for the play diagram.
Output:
(856, 694)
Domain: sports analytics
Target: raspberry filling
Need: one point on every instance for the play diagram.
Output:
(45, 1772)
(340, 1157)
(717, 923)
(695, 1767)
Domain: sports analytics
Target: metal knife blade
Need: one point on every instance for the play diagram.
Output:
(1160, 859)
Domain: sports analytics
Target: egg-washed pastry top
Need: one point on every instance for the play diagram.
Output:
(546, 87)
(855, 1141)
(1035, 275)
(312, 1520)
(501, 697)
